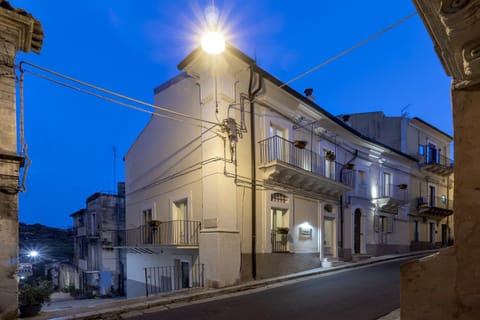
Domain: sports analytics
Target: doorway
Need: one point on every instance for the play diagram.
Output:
(329, 237)
(444, 234)
(357, 230)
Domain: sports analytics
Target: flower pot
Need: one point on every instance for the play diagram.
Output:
(29, 310)
(300, 144)
(402, 186)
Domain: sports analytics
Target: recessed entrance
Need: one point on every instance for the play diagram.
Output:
(356, 230)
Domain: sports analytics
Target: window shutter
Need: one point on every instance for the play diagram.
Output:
(390, 224)
(376, 224)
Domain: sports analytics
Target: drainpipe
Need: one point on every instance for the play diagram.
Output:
(251, 96)
(342, 253)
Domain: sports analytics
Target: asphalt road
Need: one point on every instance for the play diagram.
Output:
(362, 293)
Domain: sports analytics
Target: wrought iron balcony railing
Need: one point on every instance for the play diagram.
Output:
(174, 232)
(279, 149)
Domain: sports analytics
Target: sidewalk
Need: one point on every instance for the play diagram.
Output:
(64, 307)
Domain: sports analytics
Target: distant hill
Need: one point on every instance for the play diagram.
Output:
(53, 244)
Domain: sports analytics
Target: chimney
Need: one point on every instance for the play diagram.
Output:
(346, 119)
(308, 93)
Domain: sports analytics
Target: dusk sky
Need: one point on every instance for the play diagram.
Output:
(133, 46)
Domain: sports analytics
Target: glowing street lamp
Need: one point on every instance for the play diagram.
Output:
(213, 42)
(33, 254)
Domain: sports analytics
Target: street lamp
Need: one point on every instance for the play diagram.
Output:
(33, 254)
(213, 42)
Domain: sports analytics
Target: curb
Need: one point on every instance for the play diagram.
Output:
(160, 302)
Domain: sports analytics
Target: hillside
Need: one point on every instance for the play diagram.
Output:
(53, 244)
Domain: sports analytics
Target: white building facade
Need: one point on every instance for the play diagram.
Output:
(257, 181)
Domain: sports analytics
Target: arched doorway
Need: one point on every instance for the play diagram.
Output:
(357, 230)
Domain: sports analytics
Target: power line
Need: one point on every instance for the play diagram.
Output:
(110, 92)
(356, 46)
(112, 100)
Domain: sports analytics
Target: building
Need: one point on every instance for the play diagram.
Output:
(446, 286)
(98, 230)
(20, 31)
(257, 180)
(430, 184)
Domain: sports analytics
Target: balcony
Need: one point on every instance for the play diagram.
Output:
(288, 165)
(177, 233)
(392, 197)
(436, 163)
(438, 207)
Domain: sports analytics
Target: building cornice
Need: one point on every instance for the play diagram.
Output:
(19, 27)
(453, 26)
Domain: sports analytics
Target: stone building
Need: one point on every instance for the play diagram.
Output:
(98, 231)
(430, 185)
(447, 285)
(19, 31)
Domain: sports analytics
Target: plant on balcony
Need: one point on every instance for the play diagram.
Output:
(403, 186)
(154, 223)
(349, 166)
(328, 207)
(330, 155)
(300, 144)
(282, 230)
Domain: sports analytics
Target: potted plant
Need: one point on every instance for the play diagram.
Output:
(330, 155)
(31, 295)
(328, 207)
(403, 186)
(300, 144)
(282, 230)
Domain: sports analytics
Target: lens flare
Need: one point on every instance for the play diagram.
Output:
(213, 42)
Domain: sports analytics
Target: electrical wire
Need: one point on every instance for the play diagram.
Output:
(356, 46)
(109, 99)
(113, 93)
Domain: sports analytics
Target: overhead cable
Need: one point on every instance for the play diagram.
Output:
(113, 93)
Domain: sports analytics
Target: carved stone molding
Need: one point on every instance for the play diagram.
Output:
(454, 27)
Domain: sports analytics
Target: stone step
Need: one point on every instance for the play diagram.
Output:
(360, 256)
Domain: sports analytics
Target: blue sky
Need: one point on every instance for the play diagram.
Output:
(133, 46)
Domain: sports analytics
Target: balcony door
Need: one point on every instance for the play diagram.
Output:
(180, 221)
(278, 146)
(147, 232)
(329, 163)
(432, 153)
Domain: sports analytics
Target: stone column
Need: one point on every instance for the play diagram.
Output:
(447, 285)
(18, 31)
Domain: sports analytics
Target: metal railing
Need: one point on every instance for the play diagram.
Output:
(174, 232)
(279, 149)
(279, 241)
(394, 191)
(435, 202)
(435, 158)
(171, 278)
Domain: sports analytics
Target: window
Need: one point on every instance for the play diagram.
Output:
(387, 184)
(421, 149)
(432, 194)
(278, 197)
(82, 248)
(147, 230)
(383, 224)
